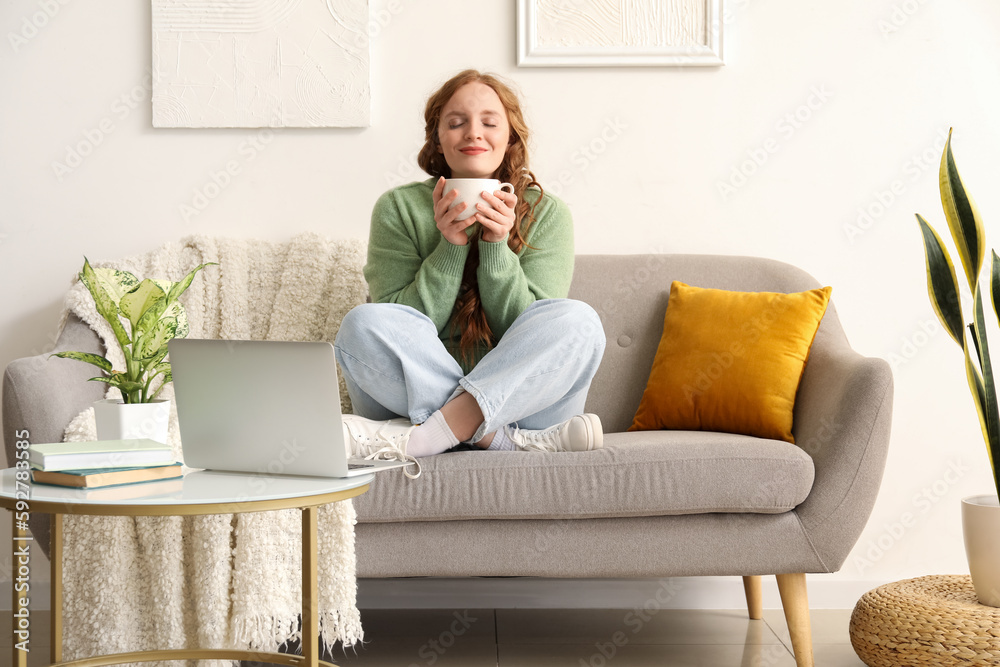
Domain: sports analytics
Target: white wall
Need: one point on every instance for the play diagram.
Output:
(662, 141)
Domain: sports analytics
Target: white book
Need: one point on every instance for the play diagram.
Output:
(98, 454)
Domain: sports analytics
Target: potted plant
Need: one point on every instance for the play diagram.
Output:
(980, 514)
(144, 315)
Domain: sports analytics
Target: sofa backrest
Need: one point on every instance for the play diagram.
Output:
(630, 293)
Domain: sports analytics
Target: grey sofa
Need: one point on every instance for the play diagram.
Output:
(650, 504)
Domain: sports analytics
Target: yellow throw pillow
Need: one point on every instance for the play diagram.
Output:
(730, 361)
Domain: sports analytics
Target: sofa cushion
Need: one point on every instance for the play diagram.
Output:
(730, 361)
(645, 473)
(630, 294)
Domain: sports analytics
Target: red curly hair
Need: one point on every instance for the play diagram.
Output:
(469, 313)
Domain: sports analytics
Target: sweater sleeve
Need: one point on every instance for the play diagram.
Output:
(510, 282)
(396, 272)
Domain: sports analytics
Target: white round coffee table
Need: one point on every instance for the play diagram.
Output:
(198, 492)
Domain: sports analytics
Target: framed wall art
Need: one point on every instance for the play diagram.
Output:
(593, 33)
(260, 63)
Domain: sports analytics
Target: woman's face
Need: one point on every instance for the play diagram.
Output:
(473, 131)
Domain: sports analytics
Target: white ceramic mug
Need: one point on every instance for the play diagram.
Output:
(470, 191)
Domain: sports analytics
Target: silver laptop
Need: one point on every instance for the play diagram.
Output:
(265, 407)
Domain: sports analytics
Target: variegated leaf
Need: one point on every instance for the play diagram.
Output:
(179, 287)
(115, 282)
(134, 304)
(167, 379)
(978, 392)
(176, 311)
(942, 285)
(155, 360)
(151, 317)
(991, 414)
(995, 284)
(157, 338)
(963, 217)
(96, 359)
(106, 306)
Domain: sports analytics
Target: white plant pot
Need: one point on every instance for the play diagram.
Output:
(118, 421)
(981, 526)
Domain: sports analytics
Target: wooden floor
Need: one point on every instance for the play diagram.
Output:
(561, 638)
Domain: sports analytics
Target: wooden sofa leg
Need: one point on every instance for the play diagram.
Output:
(754, 589)
(795, 602)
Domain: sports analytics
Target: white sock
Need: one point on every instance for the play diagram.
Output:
(432, 437)
(501, 442)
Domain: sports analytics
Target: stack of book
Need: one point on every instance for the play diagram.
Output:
(89, 465)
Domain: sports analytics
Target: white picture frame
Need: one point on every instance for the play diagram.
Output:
(535, 48)
(260, 63)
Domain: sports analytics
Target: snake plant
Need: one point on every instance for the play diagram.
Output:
(944, 289)
(144, 316)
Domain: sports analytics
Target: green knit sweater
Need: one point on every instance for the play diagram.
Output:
(411, 263)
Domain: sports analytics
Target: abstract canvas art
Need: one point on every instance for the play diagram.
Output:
(260, 63)
(619, 32)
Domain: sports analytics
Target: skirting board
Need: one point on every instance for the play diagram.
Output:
(539, 593)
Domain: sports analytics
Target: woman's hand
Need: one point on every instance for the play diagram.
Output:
(496, 217)
(444, 215)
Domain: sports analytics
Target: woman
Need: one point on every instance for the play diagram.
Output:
(469, 333)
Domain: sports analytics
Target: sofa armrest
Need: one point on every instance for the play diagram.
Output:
(42, 395)
(843, 415)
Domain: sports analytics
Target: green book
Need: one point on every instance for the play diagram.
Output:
(99, 454)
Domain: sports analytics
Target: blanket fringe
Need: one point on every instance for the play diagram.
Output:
(171, 583)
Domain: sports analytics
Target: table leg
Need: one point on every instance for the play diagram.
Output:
(19, 540)
(310, 603)
(55, 560)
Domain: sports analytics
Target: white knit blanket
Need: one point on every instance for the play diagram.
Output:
(220, 581)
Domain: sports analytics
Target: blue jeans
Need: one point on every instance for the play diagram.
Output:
(537, 376)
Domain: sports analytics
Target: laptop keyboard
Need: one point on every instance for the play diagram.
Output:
(356, 466)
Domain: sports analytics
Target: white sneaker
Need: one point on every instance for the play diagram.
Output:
(379, 440)
(577, 434)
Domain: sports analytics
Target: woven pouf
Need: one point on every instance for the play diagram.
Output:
(925, 621)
